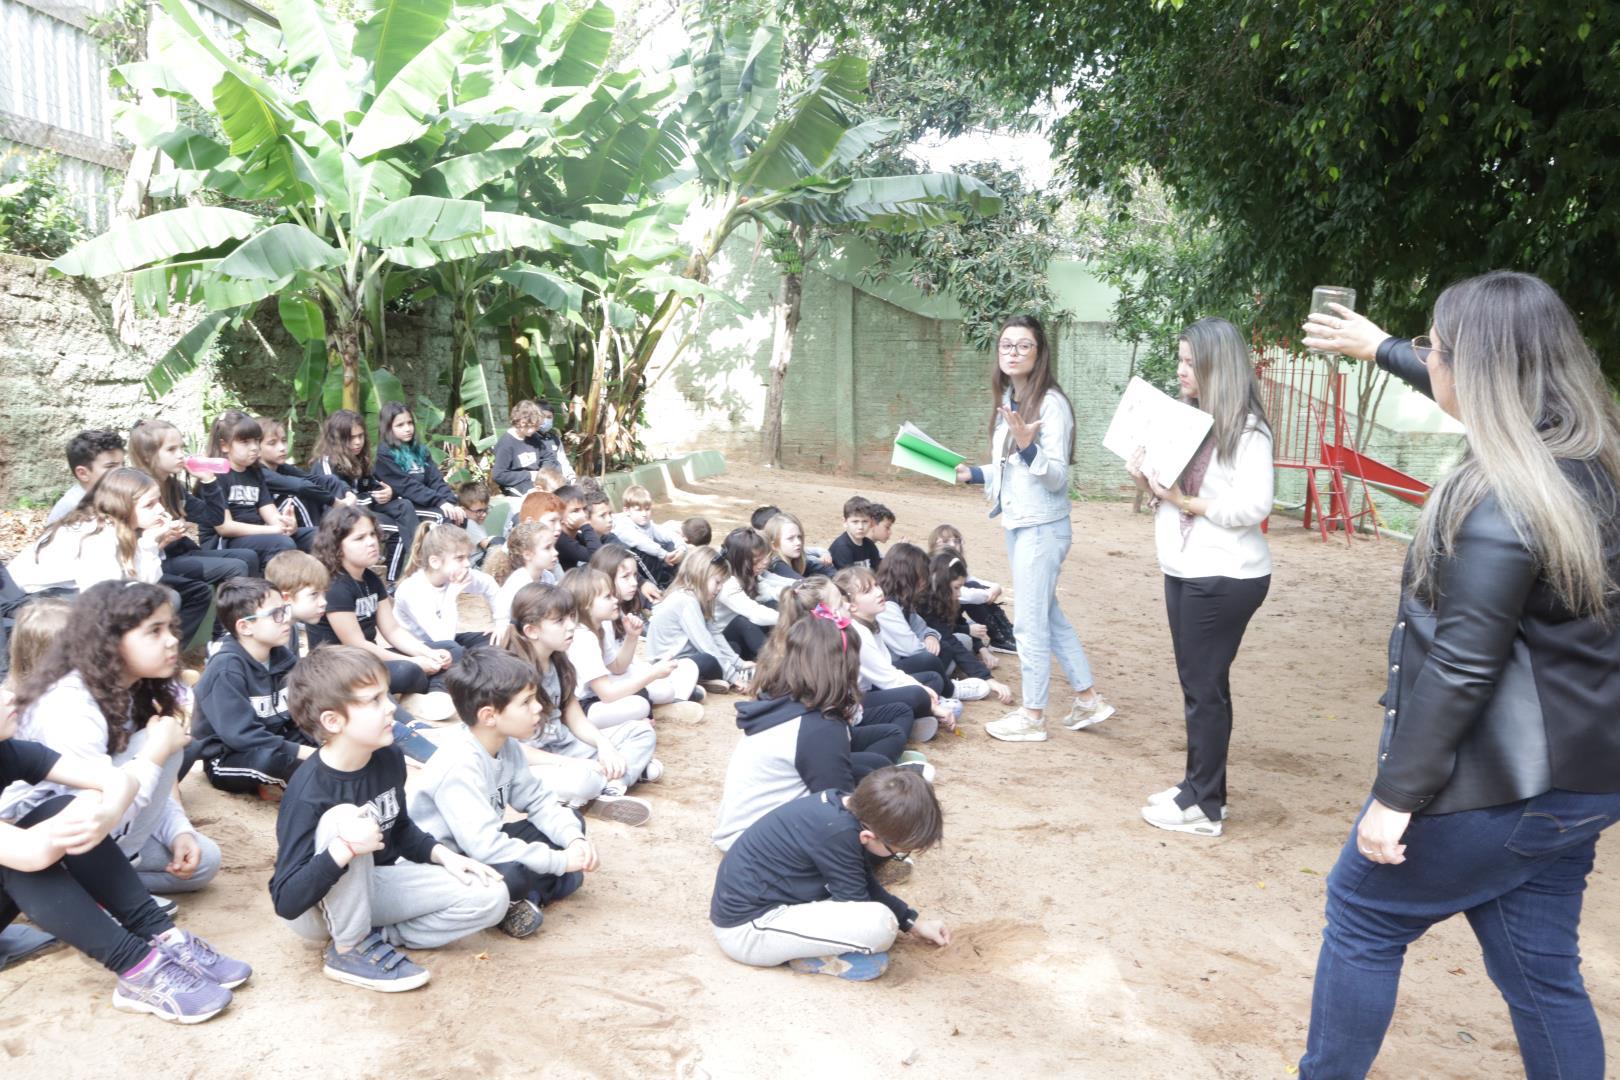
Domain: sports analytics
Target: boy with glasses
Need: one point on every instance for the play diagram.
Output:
(799, 888)
(244, 731)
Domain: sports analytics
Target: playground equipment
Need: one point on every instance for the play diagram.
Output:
(1304, 399)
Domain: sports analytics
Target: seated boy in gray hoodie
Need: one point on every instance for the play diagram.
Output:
(480, 770)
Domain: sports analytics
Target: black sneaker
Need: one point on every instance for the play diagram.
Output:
(1004, 645)
(523, 918)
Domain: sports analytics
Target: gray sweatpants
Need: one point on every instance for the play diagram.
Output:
(578, 782)
(150, 855)
(416, 906)
(823, 928)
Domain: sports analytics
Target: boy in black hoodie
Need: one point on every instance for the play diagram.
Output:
(245, 734)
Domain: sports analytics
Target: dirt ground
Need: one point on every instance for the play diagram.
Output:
(1087, 944)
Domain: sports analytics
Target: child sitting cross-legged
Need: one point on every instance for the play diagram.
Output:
(981, 600)
(614, 689)
(964, 643)
(683, 624)
(583, 764)
(480, 772)
(635, 528)
(426, 603)
(58, 865)
(798, 887)
(798, 737)
(881, 680)
(247, 739)
(353, 870)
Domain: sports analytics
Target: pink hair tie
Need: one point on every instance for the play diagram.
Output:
(822, 611)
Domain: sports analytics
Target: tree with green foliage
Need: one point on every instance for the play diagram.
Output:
(1391, 145)
(36, 217)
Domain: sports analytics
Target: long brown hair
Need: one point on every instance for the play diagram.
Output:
(110, 505)
(146, 438)
(535, 603)
(1042, 380)
(610, 559)
(1228, 388)
(335, 528)
(796, 603)
(333, 444)
(585, 584)
(941, 603)
(903, 573)
(700, 573)
(102, 615)
(819, 667)
(741, 548)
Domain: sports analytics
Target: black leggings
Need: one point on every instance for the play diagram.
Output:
(894, 714)
(407, 677)
(747, 638)
(396, 524)
(94, 902)
(915, 699)
(953, 651)
(709, 668)
(523, 883)
(920, 663)
(874, 746)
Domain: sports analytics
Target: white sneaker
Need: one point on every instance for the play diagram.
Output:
(435, 707)
(972, 689)
(1017, 726)
(1168, 796)
(1191, 820)
(1082, 715)
(686, 712)
(653, 773)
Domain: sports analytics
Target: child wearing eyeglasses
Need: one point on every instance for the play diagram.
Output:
(246, 737)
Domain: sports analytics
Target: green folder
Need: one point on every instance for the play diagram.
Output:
(914, 449)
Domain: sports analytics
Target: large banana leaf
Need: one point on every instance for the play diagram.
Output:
(551, 291)
(278, 252)
(302, 318)
(396, 34)
(803, 142)
(507, 232)
(161, 236)
(399, 113)
(897, 203)
(187, 353)
(691, 290)
(326, 47)
(422, 217)
(578, 49)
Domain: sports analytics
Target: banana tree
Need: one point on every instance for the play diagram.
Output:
(785, 166)
(327, 131)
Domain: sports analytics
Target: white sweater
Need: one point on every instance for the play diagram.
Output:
(429, 611)
(1225, 540)
(79, 556)
(877, 669)
(68, 720)
(733, 602)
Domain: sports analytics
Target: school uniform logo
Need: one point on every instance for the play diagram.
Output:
(244, 494)
(266, 706)
(365, 607)
(528, 459)
(497, 800)
(385, 808)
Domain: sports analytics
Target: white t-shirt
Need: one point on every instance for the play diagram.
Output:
(585, 653)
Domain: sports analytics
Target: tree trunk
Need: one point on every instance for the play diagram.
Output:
(786, 312)
(346, 338)
(519, 348)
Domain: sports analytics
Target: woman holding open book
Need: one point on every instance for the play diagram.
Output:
(1027, 484)
(1217, 567)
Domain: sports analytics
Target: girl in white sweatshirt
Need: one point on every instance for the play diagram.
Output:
(116, 534)
(613, 687)
(744, 620)
(105, 694)
(881, 680)
(683, 625)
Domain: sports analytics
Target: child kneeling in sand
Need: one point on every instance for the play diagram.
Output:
(798, 888)
(352, 869)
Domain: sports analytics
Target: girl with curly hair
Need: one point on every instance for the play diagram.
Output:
(105, 694)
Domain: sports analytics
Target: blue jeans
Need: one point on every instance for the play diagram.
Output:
(1036, 554)
(1517, 872)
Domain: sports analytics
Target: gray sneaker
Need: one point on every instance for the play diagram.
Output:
(375, 965)
(170, 990)
(205, 960)
(625, 809)
(523, 918)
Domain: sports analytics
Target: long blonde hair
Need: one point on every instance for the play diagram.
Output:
(773, 531)
(39, 624)
(701, 574)
(585, 584)
(110, 505)
(1227, 386)
(1530, 394)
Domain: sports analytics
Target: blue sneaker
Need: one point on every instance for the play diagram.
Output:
(170, 990)
(852, 966)
(205, 960)
(375, 965)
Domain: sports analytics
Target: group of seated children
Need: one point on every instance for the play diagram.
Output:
(602, 625)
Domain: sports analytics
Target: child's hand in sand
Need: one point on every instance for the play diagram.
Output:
(931, 930)
(1002, 691)
(581, 855)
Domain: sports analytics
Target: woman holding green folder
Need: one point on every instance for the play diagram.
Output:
(1027, 485)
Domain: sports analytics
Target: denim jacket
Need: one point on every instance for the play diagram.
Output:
(1030, 486)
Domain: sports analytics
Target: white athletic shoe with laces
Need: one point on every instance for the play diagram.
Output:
(1083, 714)
(972, 689)
(1170, 816)
(1017, 726)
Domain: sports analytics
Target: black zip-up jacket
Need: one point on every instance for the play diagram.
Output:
(1497, 692)
(422, 486)
(241, 707)
(316, 491)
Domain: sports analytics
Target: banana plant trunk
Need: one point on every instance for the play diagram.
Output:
(346, 343)
(787, 309)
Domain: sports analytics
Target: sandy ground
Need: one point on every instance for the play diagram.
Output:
(1087, 943)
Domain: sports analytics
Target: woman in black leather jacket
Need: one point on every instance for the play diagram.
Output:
(1499, 762)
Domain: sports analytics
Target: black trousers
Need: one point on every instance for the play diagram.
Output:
(915, 699)
(709, 667)
(195, 598)
(1207, 619)
(407, 677)
(94, 902)
(874, 746)
(745, 637)
(244, 773)
(396, 527)
(884, 729)
(968, 664)
(523, 882)
(878, 710)
(920, 663)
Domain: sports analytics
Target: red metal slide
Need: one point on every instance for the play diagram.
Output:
(1371, 471)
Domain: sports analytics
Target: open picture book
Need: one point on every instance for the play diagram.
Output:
(916, 450)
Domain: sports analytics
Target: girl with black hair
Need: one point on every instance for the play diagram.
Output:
(742, 619)
(405, 465)
(344, 451)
